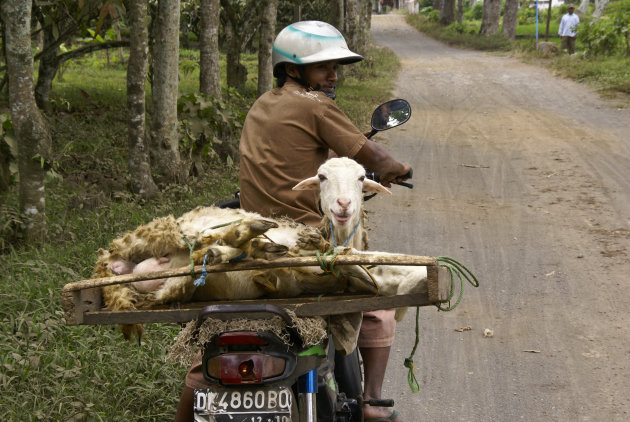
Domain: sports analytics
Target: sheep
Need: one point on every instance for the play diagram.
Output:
(218, 235)
(340, 182)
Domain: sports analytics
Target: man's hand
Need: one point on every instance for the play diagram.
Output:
(396, 175)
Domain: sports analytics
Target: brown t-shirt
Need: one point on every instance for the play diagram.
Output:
(286, 137)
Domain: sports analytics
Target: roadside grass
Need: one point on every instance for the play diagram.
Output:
(51, 371)
(609, 75)
(367, 84)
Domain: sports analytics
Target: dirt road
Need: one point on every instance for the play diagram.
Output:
(523, 177)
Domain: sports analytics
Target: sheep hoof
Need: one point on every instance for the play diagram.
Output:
(261, 226)
(273, 251)
(245, 231)
(266, 281)
(261, 248)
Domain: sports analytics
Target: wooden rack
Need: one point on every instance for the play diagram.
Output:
(82, 300)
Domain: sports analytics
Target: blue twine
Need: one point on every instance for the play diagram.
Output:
(332, 233)
(201, 281)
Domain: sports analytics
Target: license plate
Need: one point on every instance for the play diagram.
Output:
(268, 404)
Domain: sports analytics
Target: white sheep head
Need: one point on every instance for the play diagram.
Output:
(340, 182)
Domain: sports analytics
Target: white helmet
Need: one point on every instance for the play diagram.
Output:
(309, 42)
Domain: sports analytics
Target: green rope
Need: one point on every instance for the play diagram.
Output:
(328, 266)
(411, 377)
(456, 268)
(191, 248)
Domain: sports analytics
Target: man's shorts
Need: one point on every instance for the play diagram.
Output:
(377, 328)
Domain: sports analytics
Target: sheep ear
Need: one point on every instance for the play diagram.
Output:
(312, 183)
(372, 186)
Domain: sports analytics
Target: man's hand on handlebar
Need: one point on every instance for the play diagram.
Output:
(396, 176)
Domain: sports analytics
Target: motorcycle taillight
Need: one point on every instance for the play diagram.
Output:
(244, 368)
(239, 337)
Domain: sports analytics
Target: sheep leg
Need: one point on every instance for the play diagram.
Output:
(216, 254)
(121, 266)
(262, 248)
(310, 242)
(247, 230)
(266, 280)
(120, 296)
(150, 265)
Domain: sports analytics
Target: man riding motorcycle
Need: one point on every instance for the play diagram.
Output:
(288, 133)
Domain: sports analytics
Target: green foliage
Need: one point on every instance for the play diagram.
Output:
(206, 121)
(476, 12)
(434, 16)
(620, 14)
(462, 28)
(600, 37)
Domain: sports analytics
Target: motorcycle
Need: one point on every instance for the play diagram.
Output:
(258, 376)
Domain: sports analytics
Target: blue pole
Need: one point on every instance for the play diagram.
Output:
(307, 383)
(536, 20)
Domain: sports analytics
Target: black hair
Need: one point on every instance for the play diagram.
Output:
(281, 75)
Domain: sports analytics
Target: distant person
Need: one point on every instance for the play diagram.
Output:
(568, 29)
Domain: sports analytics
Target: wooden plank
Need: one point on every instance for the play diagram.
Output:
(301, 306)
(77, 302)
(255, 264)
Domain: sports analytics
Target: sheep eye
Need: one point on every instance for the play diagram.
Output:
(361, 179)
(321, 177)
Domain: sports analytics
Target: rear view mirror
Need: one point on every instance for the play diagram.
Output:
(390, 114)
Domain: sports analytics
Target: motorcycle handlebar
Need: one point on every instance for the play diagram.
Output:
(377, 178)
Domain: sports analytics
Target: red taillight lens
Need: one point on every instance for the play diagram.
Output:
(244, 368)
(240, 337)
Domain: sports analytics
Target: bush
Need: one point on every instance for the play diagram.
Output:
(600, 37)
(434, 16)
(476, 12)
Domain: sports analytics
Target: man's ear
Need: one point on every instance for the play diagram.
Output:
(312, 183)
(291, 70)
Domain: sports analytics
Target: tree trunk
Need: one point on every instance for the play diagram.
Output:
(460, 11)
(600, 6)
(267, 35)
(209, 69)
(139, 169)
(240, 25)
(510, 18)
(48, 66)
(236, 72)
(447, 13)
(352, 25)
(365, 23)
(491, 17)
(165, 158)
(438, 4)
(337, 15)
(31, 131)
(583, 7)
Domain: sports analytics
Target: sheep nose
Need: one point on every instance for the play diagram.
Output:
(343, 202)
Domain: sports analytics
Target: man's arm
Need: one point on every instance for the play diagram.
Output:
(376, 158)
